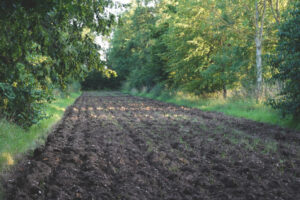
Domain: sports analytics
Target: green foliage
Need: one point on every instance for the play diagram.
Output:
(98, 81)
(200, 47)
(15, 140)
(43, 45)
(23, 104)
(134, 52)
(287, 62)
(206, 47)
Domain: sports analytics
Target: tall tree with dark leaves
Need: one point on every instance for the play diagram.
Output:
(287, 62)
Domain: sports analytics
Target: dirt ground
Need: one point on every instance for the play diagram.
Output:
(112, 146)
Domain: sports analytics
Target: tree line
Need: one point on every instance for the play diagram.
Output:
(211, 46)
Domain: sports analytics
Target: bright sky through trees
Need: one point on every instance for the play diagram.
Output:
(103, 42)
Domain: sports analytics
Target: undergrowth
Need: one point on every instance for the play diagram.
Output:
(14, 140)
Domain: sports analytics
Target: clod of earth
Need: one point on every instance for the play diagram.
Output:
(135, 148)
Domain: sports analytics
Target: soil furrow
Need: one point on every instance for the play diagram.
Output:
(115, 146)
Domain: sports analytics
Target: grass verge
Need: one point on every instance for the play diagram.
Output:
(15, 141)
(245, 108)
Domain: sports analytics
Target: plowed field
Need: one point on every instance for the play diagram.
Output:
(112, 146)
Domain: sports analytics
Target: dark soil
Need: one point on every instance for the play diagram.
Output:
(123, 147)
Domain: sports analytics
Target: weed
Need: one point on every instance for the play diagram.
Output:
(234, 140)
(186, 145)
(173, 169)
(218, 129)
(238, 137)
(255, 142)
(150, 146)
(223, 155)
(270, 147)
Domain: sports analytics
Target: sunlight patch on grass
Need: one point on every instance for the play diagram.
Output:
(6, 158)
(14, 140)
(57, 108)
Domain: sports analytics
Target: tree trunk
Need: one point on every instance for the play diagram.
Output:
(259, 22)
(224, 92)
(259, 78)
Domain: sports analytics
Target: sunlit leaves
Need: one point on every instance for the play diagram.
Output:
(198, 46)
(44, 44)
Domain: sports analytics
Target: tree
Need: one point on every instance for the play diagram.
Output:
(134, 52)
(200, 47)
(262, 13)
(207, 45)
(44, 44)
(287, 62)
(259, 24)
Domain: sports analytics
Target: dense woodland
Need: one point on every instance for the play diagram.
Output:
(201, 47)
(251, 48)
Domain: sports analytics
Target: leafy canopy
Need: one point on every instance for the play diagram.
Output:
(43, 45)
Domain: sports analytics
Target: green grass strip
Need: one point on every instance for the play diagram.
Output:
(15, 141)
(238, 107)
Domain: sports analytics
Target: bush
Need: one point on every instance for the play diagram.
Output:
(157, 90)
(22, 105)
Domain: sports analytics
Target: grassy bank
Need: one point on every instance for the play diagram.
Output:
(14, 141)
(246, 108)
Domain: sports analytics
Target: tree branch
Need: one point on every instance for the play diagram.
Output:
(275, 12)
(262, 20)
